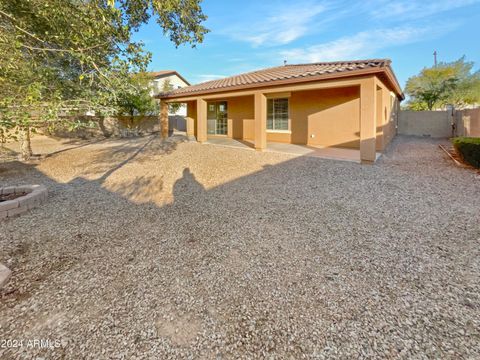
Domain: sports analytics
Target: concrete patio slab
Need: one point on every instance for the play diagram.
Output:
(332, 153)
(228, 142)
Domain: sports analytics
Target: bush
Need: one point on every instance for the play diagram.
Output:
(469, 149)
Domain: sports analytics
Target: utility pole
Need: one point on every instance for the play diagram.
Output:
(435, 58)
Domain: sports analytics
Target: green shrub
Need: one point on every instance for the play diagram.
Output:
(469, 149)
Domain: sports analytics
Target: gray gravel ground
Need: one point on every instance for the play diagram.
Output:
(151, 250)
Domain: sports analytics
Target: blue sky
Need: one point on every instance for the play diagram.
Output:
(251, 34)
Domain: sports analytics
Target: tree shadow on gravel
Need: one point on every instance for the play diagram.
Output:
(128, 150)
(75, 142)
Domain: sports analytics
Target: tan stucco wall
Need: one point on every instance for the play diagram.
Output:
(241, 117)
(390, 126)
(331, 114)
(279, 137)
(326, 117)
(387, 113)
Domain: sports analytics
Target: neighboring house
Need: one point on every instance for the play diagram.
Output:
(350, 104)
(176, 80)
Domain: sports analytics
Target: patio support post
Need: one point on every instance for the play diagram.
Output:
(163, 119)
(190, 124)
(201, 120)
(368, 121)
(260, 121)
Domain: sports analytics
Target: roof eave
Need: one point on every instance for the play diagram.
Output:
(355, 73)
(393, 79)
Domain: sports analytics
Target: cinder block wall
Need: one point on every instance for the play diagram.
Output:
(118, 126)
(468, 122)
(437, 124)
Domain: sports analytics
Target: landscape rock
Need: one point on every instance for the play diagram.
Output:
(151, 249)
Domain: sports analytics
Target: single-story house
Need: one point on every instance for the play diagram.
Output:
(352, 104)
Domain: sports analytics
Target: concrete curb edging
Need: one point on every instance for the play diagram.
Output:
(35, 195)
(4, 274)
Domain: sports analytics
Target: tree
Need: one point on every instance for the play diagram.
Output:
(172, 107)
(446, 84)
(136, 101)
(68, 56)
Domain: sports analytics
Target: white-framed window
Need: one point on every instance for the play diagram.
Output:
(277, 114)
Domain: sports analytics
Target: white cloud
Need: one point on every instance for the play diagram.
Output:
(273, 24)
(363, 44)
(284, 25)
(402, 9)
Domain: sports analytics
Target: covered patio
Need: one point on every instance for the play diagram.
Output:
(344, 111)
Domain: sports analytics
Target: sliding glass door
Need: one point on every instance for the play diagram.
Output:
(217, 118)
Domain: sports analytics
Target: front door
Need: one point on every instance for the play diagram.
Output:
(217, 118)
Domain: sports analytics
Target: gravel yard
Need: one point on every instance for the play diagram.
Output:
(151, 250)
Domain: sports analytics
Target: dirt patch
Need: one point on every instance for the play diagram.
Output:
(181, 330)
(23, 286)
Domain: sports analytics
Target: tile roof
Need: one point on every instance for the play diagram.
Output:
(282, 73)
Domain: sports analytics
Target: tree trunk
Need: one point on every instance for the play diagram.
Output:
(26, 146)
(101, 124)
(3, 139)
